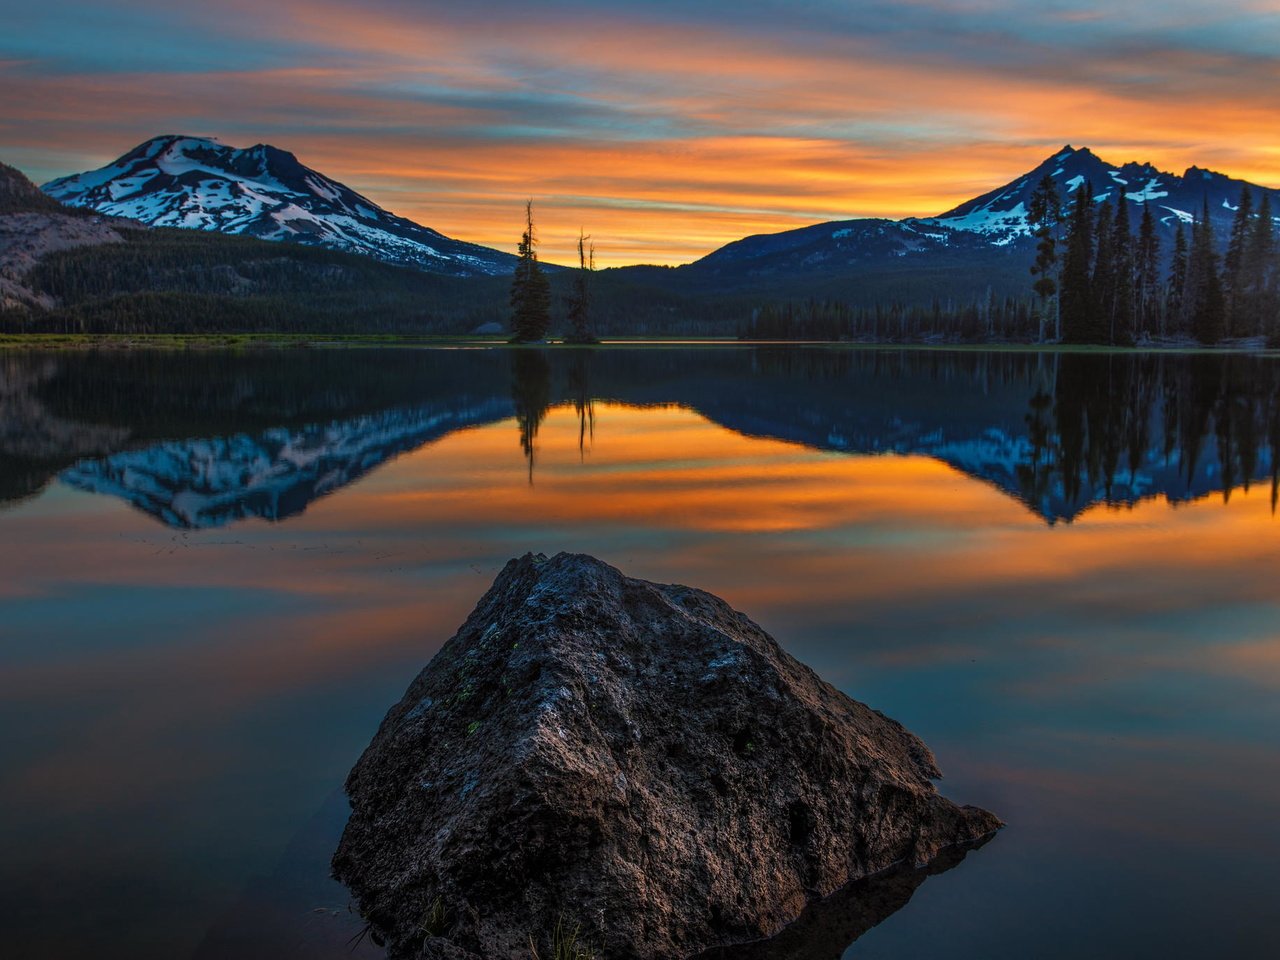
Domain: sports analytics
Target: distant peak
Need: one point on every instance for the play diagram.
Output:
(169, 138)
(267, 150)
(1068, 152)
(158, 145)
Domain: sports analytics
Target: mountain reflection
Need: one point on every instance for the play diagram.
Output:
(204, 439)
(274, 475)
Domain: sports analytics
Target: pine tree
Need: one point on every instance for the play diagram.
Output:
(1147, 275)
(1234, 277)
(1045, 212)
(580, 301)
(1211, 317)
(1203, 305)
(1104, 277)
(1261, 268)
(1122, 299)
(530, 291)
(1194, 280)
(1077, 302)
(1177, 282)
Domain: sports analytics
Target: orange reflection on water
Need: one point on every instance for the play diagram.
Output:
(377, 575)
(667, 468)
(879, 526)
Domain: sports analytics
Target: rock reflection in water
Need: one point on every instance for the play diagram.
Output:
(828, 927)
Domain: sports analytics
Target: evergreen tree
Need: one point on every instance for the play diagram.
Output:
(1234, 277)
(1203, 303)
(1262, 269)
(1079, 309)
(1177, 282)
(530, 291)
(1045, 211)
(1104, 275)
(1147, 275)
(1122, 300)
(580, 301)
(1194, 280)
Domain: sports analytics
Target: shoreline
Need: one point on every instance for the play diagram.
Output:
(274, 341)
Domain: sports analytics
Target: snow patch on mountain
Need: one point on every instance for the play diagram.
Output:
(197, 183)
(1001, 215)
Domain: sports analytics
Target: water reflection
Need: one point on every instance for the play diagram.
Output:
(175, 703)
(202, 441)
(531, 395)
(584, 404)
(827, 928)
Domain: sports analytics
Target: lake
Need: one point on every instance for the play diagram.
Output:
(218, 570)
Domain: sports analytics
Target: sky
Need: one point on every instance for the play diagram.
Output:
(663, 129)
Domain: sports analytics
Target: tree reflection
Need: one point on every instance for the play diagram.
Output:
(1214, 421)
(1058, 432)
(531, 393)
(583, 402)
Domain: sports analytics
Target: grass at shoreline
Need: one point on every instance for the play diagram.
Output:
(180, 341)
(195, 341)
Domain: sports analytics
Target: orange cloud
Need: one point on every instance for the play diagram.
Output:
(665, 139)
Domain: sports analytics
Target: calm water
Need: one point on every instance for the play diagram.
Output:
(217, 571)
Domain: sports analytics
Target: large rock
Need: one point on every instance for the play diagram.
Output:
(635, 758)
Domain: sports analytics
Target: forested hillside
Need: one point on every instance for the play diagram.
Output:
(181, 281)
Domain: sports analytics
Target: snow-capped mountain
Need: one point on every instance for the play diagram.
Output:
(1001, 215)
(982, 231)
(201, 184)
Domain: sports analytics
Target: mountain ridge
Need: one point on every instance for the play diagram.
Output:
(974, 256)
(265, 192)
(984, 229)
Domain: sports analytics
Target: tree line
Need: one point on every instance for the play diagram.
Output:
(190, 281)
(1100, 281)
(994, 318)
(1097, 279)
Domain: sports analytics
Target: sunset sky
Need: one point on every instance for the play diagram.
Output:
(663, 128)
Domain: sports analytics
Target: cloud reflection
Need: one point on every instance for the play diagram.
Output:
(1101, 683)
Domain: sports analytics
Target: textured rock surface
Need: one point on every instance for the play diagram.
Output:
(636, 758)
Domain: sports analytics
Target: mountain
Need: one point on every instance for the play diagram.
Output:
(33, 225)
(67, 269)
(200, 184)
(20, 195)
(980, 237)
(1001, 215)
(928, 274)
